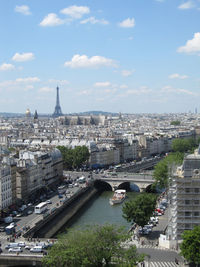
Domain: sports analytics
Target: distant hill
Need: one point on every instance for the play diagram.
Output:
(86, 113)
(95, 112)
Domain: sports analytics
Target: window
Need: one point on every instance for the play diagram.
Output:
(196, 190)
(196, 213)
(187, 213)
(187, 190)
(196, 202)
(187, 202)
(187, 226)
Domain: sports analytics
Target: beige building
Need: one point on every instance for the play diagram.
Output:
(36, 170)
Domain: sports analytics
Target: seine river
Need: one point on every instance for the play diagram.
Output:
(99, 211)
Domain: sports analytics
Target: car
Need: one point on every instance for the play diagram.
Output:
(60, 196)
(15, 249)
(30, 204)
(29, 212)
(19, 215)
(21, 244)
(27, 247)
(48, 201)
(36, 249)
(12, 224)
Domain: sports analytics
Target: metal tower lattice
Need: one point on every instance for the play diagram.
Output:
(57, 111)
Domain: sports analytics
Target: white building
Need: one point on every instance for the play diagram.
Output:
(185, 197)
(5, 186)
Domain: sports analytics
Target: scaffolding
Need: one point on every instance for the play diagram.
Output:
(185, 202)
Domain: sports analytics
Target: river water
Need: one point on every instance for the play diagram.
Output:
(99, 211)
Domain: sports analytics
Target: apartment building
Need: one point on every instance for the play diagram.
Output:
(5, 186)
(185, 197)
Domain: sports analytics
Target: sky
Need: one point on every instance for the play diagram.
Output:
(129, 56)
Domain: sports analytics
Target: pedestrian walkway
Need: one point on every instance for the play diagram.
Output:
(160, 264)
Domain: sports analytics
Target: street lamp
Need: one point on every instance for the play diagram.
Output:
(149, 257)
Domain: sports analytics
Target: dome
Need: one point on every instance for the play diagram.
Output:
(28, 113)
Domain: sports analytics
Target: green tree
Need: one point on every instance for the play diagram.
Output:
(184, 145)
(140, 209)
(190, 246)
(175, 123)
(162, 169)
(74, 158)
(94, 246)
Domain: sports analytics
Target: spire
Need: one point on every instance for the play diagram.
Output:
(57, 111)
(35, 115)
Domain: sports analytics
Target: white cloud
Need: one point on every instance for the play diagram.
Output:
(46, 89)
(23, 10)
(123, 86)
(84, 61)
(127, 73)
(191, 46)
(23, 57)
(102, 84)
(51, 20)
(84, 92)
(169, 89)
(28, 80)
(6, 66)
(93, 20)
(187, 5)
(127, 23)
(177, 76)
(59, 82)
(76, 12)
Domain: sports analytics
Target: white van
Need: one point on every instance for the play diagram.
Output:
(36, 249)
(15, 249)
(12, 245)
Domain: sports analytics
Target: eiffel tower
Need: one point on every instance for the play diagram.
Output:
(57, 111)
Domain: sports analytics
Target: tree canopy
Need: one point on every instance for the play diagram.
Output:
(184, 145)
(176, 123)
(162, 168)
(91, 247)
(190, 246)
(74, 158)
(140, 209)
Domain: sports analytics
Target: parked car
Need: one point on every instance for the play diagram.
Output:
(21, 244)
(36, 249)
(15, 249)
(48, 201)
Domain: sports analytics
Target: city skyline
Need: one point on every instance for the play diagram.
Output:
(134, 57)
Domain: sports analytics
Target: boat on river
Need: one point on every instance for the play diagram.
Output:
(118, 197)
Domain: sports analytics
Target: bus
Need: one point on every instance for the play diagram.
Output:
(40, 208)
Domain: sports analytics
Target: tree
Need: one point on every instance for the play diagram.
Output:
(176, 123)
(184, 145)
(74, 158)
(162, 169)
(140, 209)
(94, 246)
(190, 246)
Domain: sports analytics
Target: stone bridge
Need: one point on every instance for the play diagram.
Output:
(141, 180)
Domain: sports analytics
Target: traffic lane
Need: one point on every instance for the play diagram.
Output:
(160, 255)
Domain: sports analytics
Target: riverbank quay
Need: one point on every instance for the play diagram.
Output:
(53, 222)
(20, 260)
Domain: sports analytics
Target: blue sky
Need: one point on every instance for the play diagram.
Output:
(129, 56)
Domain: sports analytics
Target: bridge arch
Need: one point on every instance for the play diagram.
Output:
(102, 185)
